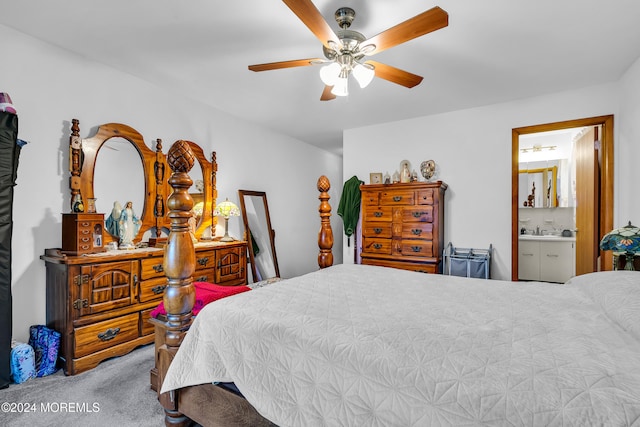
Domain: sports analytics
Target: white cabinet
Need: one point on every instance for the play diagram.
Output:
(546, 260)
(529, 260)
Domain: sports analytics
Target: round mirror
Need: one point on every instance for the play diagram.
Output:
(118, 180)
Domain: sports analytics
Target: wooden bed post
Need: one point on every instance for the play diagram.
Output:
(179, 266)
(325, 236)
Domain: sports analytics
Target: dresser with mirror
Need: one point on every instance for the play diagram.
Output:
(100, 293)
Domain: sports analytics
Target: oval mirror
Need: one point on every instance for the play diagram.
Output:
(118, 179)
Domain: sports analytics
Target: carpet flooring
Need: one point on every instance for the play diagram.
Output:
(115, 393)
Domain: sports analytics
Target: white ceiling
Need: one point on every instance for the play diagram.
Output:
(492, 51)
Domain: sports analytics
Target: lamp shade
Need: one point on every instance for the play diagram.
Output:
(329, 73)
(625, 239)
(226, 209)
(363, 74)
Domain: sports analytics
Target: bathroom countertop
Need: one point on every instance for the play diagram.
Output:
(547, 238)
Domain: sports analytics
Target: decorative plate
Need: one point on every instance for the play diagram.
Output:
(428, 169)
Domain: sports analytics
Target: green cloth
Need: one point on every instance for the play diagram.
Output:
(349, 207)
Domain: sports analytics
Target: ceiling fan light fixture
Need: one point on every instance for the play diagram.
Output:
(340, 88)
(363, 74)
(329, 73)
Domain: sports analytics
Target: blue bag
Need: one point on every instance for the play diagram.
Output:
(45, 343)
(23, 365)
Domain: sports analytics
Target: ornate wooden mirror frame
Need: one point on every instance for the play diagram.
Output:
(154, 215)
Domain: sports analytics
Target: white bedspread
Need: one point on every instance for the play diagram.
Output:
(356, 345)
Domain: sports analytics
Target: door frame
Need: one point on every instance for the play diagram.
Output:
(606, 178)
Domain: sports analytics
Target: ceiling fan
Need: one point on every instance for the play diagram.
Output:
(345, 50)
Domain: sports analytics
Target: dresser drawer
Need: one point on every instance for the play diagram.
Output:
(370, 198)
(146, 327)
(425, 197)
(151, 267)
(205, 276)
(101, 335)
(418, 248)
(376, 246)
(377, 229)
(152, 289)
(417, 230)
(378, 213)
(421, 214)
(412, 266)
(397, 198)
(205, 259)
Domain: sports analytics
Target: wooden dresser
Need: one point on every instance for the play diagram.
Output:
(403, 225)
(100, 303)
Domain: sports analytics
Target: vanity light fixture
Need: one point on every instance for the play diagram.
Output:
(537, 148)
(226, 209)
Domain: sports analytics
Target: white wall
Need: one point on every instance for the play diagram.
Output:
(627, 127)
(50, 86)
(472, 149)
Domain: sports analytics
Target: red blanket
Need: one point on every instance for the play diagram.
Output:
(205, 293)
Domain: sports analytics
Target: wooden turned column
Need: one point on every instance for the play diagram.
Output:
(179, 252)
(179, 266)
(325, 236)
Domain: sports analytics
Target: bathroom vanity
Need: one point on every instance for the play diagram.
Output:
(546, 258)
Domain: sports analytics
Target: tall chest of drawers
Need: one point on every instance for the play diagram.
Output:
(403, 225)
(101, 303)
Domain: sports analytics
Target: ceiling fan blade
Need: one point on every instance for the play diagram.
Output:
(431, 20)
(326, 94)
(284, 64)
(395, 75)
(313, 19)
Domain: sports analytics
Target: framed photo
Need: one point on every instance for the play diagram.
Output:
(375, 178)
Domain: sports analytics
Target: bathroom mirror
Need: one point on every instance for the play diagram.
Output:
(259, 235)
(538, 187)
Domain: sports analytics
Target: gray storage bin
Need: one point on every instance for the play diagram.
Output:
(467, 262)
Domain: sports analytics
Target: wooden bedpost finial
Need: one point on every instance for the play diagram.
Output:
(325, 236)
(179, 252)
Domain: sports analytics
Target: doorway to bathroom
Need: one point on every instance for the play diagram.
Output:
(579, 184)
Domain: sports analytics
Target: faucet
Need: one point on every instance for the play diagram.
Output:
(537, 230)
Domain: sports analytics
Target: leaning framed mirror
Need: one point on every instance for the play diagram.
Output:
(259, 234)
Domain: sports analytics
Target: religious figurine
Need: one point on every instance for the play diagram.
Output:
(128, 226)
(111, 222)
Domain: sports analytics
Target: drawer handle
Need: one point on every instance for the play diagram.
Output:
(85, 224)
(416, 248)
(85, 247)
(527, 254)
(552, 255)
(377, 230)
(416, 231)
(201, 279)
(419, 214)
(85, 231)
(158, 289)
(109, 334)
(377, 246)
(377, 214)
(203, 260)
(85, 239)
(397, 198)
(158, 268)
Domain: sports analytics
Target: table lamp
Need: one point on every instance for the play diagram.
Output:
(226, 209)
(625, 240)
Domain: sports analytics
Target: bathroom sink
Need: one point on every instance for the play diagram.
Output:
(537, 237)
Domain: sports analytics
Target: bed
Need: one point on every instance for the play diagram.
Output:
(365, 345)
